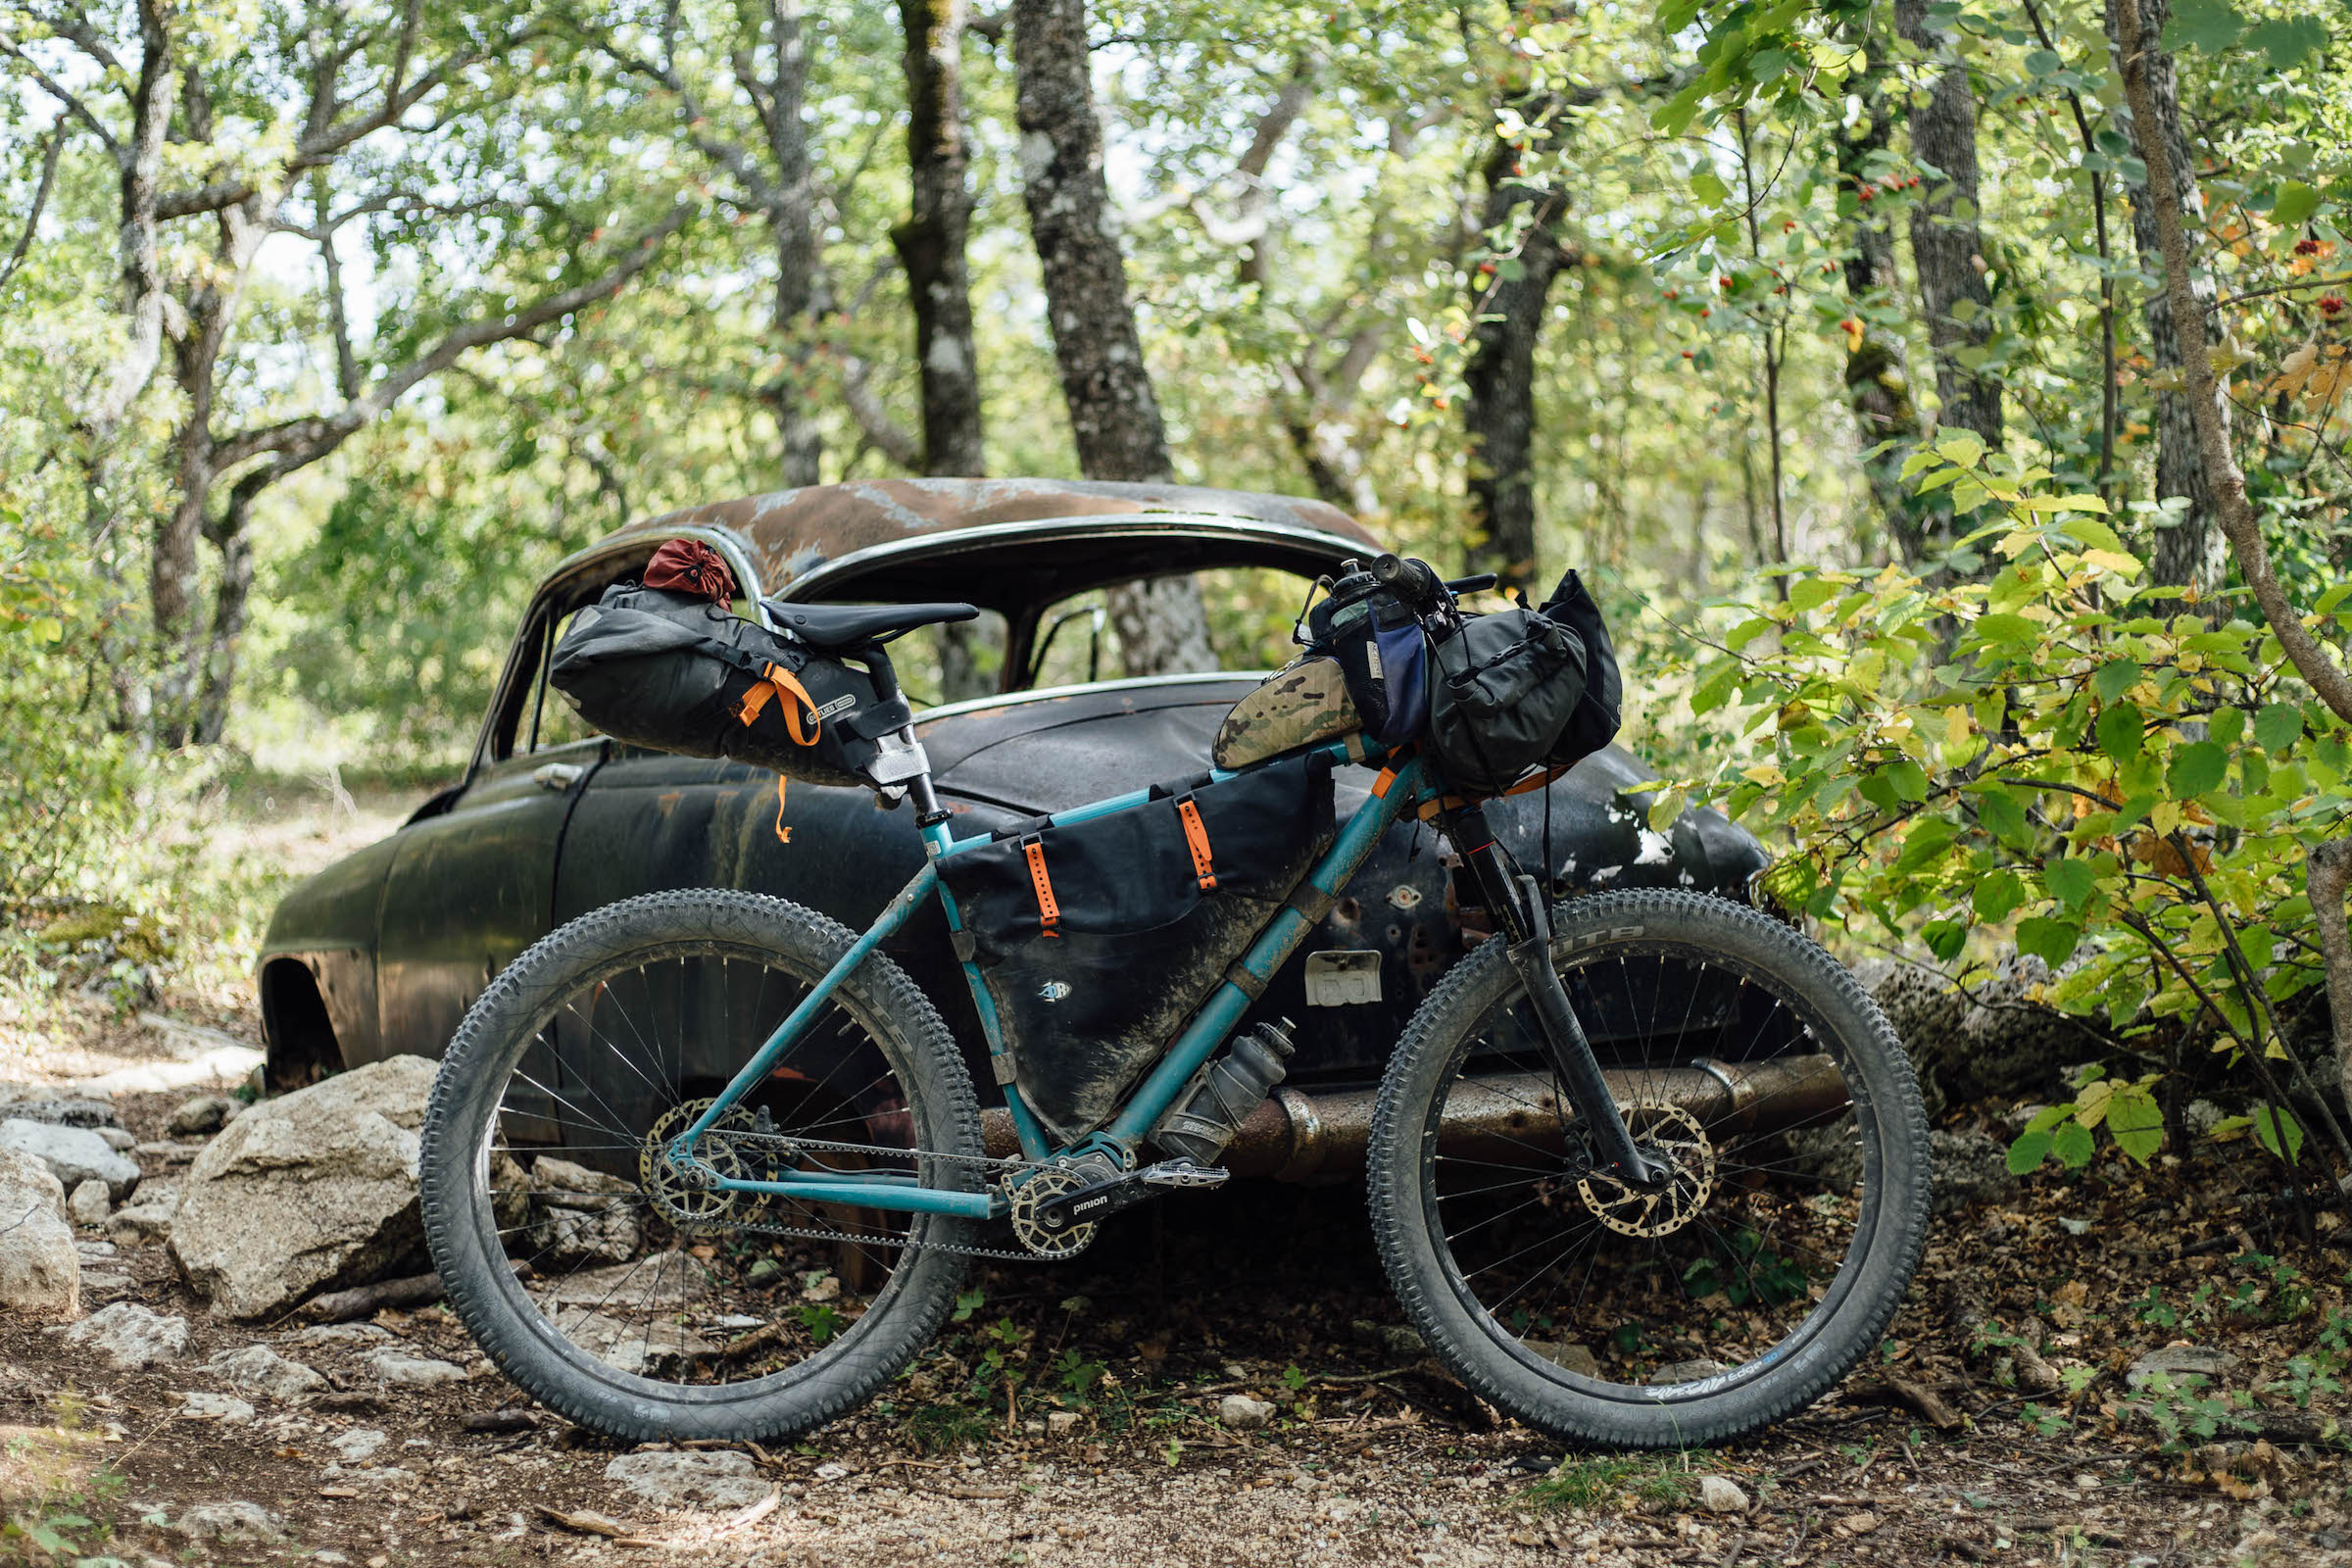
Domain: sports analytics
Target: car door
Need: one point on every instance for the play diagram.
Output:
(474, 884)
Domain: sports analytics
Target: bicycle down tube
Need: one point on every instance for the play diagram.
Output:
(1399, 789)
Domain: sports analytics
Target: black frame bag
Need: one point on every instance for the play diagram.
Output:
(672, 672)
(1099, 939)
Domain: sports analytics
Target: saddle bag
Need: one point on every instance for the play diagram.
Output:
(670, 670)
(1099, 939)
(1522, 688)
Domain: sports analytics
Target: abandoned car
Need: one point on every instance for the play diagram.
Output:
(383, 951)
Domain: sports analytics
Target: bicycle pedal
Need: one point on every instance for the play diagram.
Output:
(1183, 1173)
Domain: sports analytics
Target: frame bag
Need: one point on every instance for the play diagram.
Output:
(1098, 939)
(1521, 689)
(671, 671)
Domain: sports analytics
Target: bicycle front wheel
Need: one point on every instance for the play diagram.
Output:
(634, 1301)
(1739, 1291)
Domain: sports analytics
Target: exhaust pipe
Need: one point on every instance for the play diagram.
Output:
(1294, 1137)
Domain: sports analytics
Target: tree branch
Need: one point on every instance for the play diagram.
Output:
(65, 99)
(41, 199)
(298, 443)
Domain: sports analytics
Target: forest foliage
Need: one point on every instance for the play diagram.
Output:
(1833, 339)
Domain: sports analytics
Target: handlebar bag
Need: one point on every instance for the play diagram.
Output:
(670, 671)
(1593, 723)
(1384, 656)
(1098, 939)
(1523, 688)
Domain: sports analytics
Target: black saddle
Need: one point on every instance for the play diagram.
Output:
(849, 625)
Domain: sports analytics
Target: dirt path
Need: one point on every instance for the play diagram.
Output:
(1112, 1455)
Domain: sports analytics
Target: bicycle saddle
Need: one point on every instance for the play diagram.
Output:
(847, 625)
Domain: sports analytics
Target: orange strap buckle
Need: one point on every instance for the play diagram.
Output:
(1196, 837)
(777, 681)
(1048, 911)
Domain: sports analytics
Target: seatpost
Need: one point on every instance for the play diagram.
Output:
(901, 760)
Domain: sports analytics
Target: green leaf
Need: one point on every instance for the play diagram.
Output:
(2121, 730)
(2008, 628)
(2069, 881)
(1944, 938)
(2071, 1142)
(2115, 677)
(1997, 896)
(1909, 779)
(2278, 1131)
(2195, 770)
(1709, 187)
(2296, 201)
(1809, 592)
(2278, 727)
(2212, 26)
(1926, 841)
(2030, 1150)
(1667, 809)
(2002, 816)
(2050, 941)
(2287, 40)
(2135, 1123)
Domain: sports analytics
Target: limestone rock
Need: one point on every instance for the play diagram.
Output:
(225, 1408)
(258, 1369)
(73, 1156)
(1971, 1167)
(717, 1479)
(1720, 1494)
(201, 1115)
(88, 1204)
(130, 1337)
(1567, 1356)
(148, 1218)
(1690, 1371)
(563, 1237)
(2177, 1361)
(1242, 1413)
(59, 1111)
(313, 1191)
(230, 1523)
(40, 1273)
(118, 1138)
(412, 1371)
(563, 1184)
(358, 1445)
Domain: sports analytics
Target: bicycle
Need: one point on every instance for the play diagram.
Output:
(1645, 1169)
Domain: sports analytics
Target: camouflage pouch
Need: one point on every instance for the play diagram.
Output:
(1303, 702)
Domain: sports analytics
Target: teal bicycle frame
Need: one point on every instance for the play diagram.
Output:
(1402, 787)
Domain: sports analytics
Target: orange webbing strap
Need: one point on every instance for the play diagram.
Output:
(777, 681)
(1048, 911)
(783, 833)
(1196, 837)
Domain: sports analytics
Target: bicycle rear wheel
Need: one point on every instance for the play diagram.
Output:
(639, 1304)
(1748, 1284)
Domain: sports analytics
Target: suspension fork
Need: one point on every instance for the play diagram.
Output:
(1523, 905)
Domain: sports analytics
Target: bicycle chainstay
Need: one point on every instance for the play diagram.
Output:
(747, 1141)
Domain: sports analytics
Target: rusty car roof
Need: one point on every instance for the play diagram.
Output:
(790, 534)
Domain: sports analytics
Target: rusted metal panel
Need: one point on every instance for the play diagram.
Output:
(789, 533)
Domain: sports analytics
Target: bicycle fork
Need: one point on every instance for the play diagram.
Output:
(1524, 907)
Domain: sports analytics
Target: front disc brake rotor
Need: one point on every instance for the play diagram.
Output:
(1661, 1131)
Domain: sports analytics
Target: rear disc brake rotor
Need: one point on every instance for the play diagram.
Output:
(676, 1196)
(1667, 1131)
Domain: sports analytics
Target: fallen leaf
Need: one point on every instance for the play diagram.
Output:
(586, 1522)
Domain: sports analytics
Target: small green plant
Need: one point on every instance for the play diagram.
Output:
(934, 1429)
(1294, 1380)
(967, 1302)
(822, 1322)
(1077, 1378)
(2181, 1411)
(1583, 1485)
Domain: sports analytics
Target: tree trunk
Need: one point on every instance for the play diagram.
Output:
(2192, 552)
(1115, 415)
(1945, 243)
(218, 668)
(931, 242)
(792, 222)
(931, 246)
(1499, 413)
(1876, 388)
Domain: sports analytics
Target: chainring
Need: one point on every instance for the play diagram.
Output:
(1028, 1225)
(1666, 1131)
(678, 1200)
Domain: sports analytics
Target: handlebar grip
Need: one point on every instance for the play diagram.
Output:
(1478, 582)
(1410, 580)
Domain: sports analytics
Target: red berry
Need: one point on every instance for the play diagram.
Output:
(2331, 304)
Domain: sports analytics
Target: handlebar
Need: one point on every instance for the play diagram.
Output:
(1414, 582)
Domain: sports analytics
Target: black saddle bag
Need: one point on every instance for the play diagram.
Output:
(671, 672)
(1099, 939)
(1522, 688)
